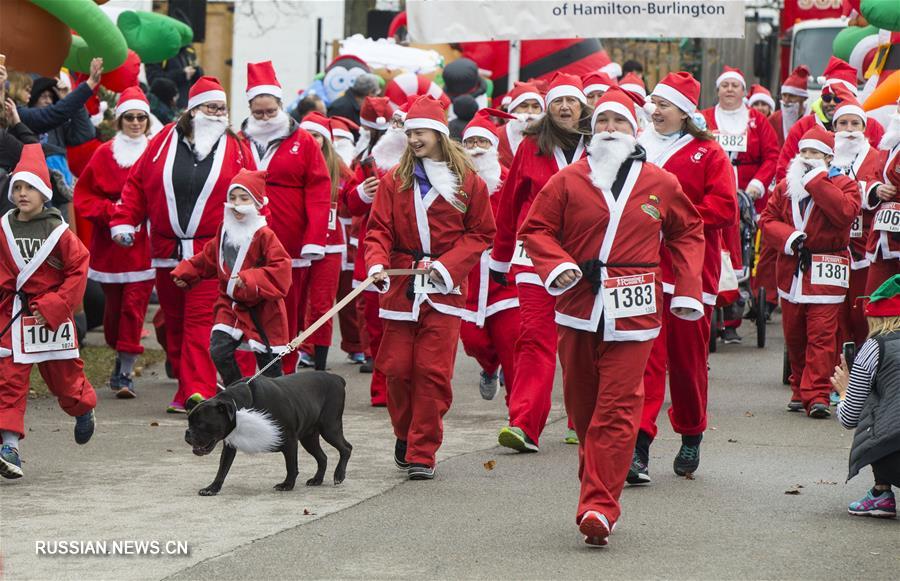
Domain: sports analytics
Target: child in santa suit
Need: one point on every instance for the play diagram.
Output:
(43, 274)
(124, 273)
(433, 212)
(593, 234)
(254, 274)
(526, 104)
(883, 245)
(808, 219)
(491, 324)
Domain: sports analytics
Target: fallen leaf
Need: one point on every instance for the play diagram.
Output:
(154, 424)
(798, 486)
(56, 430)
(168, 450)
(489, 465)
(689, 476)
(307, 513)
(792, 491)
(138, 371)
(732, 441)
(748, 414)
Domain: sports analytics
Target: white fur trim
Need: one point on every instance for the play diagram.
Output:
(316, 128)
(565, 91)
(789, 90)
(273, 90)
(850, 110)
(443, 181)
(361, 192)
(731, 75)
(525, 97)
(122, 277)
(814, 144)
(481, 132)
(755, 183)
(615, 107)
(853, 88)
(558, 270)
(813, 173)
(447, 286)
(634, 88)
(132, 105)
(596, 87)
(374, 124)
(206, 97)
(312, 251)
(790, 242)
(762, 97)
(254, 432)
(425, 123)
(122, 229)
(345, 133)
(687, 303)
(498, 266)
(33, 180)
(674, 96)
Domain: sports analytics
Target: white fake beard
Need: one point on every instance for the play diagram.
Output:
(891, 134)
(240, 232)
(127, 150)
(487, 166)
(441, 178)
(389, 149)
(344, 149)
(847, 146)
(798, 168)
(789, 115)
(264, 131)
(608, 151)
(207, 131)
(522, 121)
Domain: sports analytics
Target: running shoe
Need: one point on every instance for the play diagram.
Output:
(368, 366)
(795, 405)
(571, 437)
(400, 455)
(125, 388)
(175, 408)
(730, 336)
(515, 439)
(688, 460)
(819, 411)
(595, 528)
(356, 358)
(639, 473)
(10, 463)
(420, 472)
(305, 360)
(880, 505)
(84, 427)
(834, 398)
(487, 385)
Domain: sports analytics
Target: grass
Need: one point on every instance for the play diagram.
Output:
(98, 365)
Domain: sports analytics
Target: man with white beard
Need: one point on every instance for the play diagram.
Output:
(179, 186)
(593, 235)
(808, 219)
(297, 183)
(794, 93)
(527, 106)
(883, 248)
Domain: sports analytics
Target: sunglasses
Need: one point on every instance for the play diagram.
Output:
(829, 98)
(133, 118)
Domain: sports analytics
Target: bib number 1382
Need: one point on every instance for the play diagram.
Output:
(629, 296)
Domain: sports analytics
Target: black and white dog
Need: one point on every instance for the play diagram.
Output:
(272, 415)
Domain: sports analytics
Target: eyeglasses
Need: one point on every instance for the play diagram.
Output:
(829, 98)
(214, 109)
(133, 118)
(264, 113)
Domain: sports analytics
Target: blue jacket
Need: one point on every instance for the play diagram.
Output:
(47, 118)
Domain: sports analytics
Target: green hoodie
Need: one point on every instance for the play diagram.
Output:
(31, 235)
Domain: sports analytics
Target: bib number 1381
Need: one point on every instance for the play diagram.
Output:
(629, 296)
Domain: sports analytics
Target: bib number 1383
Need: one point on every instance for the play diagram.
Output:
(38, 338)
(629, 296)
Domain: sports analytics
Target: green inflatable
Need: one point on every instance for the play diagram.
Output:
(97, 36)
(882, 13)
(848, 38)
(154, 37)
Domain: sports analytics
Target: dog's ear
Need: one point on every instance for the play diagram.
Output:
(229, 409)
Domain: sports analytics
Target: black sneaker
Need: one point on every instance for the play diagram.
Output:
(639, 473)
(688, 459)
(730, 336)
(795, 406)
(819, 411)
(420, 472)
(84, 427)
(400, 455)
(368, 366)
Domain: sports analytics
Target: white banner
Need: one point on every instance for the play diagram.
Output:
(439, 21)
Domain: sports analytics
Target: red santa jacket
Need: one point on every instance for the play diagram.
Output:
(529, 173)
(509, 145)
(403, 223)
(265, 269)
(345, 222)
(790, 149)
(299, 191)
(819, 272)
(572, 223)
(360, 207)
(884, 237)
(865, 170)
(757, 164)
(777, 122)
(53, 281)
(97, 192)
(148, 196)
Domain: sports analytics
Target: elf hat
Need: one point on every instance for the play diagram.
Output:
(885, 301)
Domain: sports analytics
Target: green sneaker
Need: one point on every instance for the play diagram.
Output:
(515, 439)
(571, 437)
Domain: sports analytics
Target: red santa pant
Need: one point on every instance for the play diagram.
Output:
(295, 305)
(683, 348)
(348, 317)
(603, 389)
(375, 329)
(189, 322)
(417, 357)
(765, 273)
(494, 344)
(879, 271)
(322, 289)
(65, 379)
(809, 332)
(123, 314)
(853, 323)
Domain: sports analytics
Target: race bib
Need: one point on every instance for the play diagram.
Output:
(887, 219)
(830, 270)
(732, 143)
(629, 296)
(422, 283)
(856, 229)
(332, 218)
(38, 338)
(520, 257)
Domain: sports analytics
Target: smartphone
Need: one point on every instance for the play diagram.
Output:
(368, 167)
(849, 350)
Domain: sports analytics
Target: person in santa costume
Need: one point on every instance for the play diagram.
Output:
(883, 245)
(254, 275)
(837, 74)
(676, 143)
(43, 274)
(526, 104)
(179, 185)
(808, 218)
(491, 324)
(747, 137)
(550, 144)
(761, 99)
(794, 93)
(124, 273)
(298, 186)
(593, 234)
(596, 84)
(431, 212)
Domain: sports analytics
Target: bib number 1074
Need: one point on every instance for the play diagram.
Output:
(38, 338)
(629, 296)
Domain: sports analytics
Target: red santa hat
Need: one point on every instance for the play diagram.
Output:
(818, 138)
(206, 89)
(32, 169)
(404, 109)
(797, 82)
(315, 122)
(597, 81)
(427, 113)
(632, 82)
(375, 113)
(482, 126)
(132, 99)
(343, 127)
(733, 74)
(261, 80)
(524, 92)
(617, 101)
(848, 106)
(254, 182)
(760, 94)
(681, 89)
(565, 85)
(838, 72)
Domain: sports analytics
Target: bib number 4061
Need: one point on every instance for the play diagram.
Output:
(888, 218)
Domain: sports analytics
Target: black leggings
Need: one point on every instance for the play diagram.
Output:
(887, 469)
(222, 347)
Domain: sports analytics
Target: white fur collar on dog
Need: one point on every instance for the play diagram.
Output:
(254, 431)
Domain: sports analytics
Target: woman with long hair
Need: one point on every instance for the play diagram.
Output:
(431, 212)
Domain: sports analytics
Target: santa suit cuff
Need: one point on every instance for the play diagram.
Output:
(687, 303)
(757, 185)
(561, 268)
(312, 251)
(870, 200)
(498, 266)
(121, 229)
(386, 284)
(361, 192)
(447, 285)
(790, 242)
(813, 174)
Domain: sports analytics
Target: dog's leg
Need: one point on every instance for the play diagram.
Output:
(334, 435)
(311, 444)
(225, 461)
(289, 449)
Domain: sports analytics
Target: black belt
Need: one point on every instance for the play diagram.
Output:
(590, 269)
(417, 256)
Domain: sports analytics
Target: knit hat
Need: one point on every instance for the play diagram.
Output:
(597, 81)
(565, 85)
(617, 101)
(760, 94)
(206, 89)
(681, 89)
(632, 82)
(261, 80)
(482, 126)
(796, 83)
(818, 138)
(315, 122)
(254, 182)
(32, 169)
(132, 99)
(375, 113)
(848, 106)
(733, 74)
(427, 113)
(523, 92)
(838, 72)
(885, 301)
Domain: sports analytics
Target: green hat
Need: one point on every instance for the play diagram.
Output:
(885, 301)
